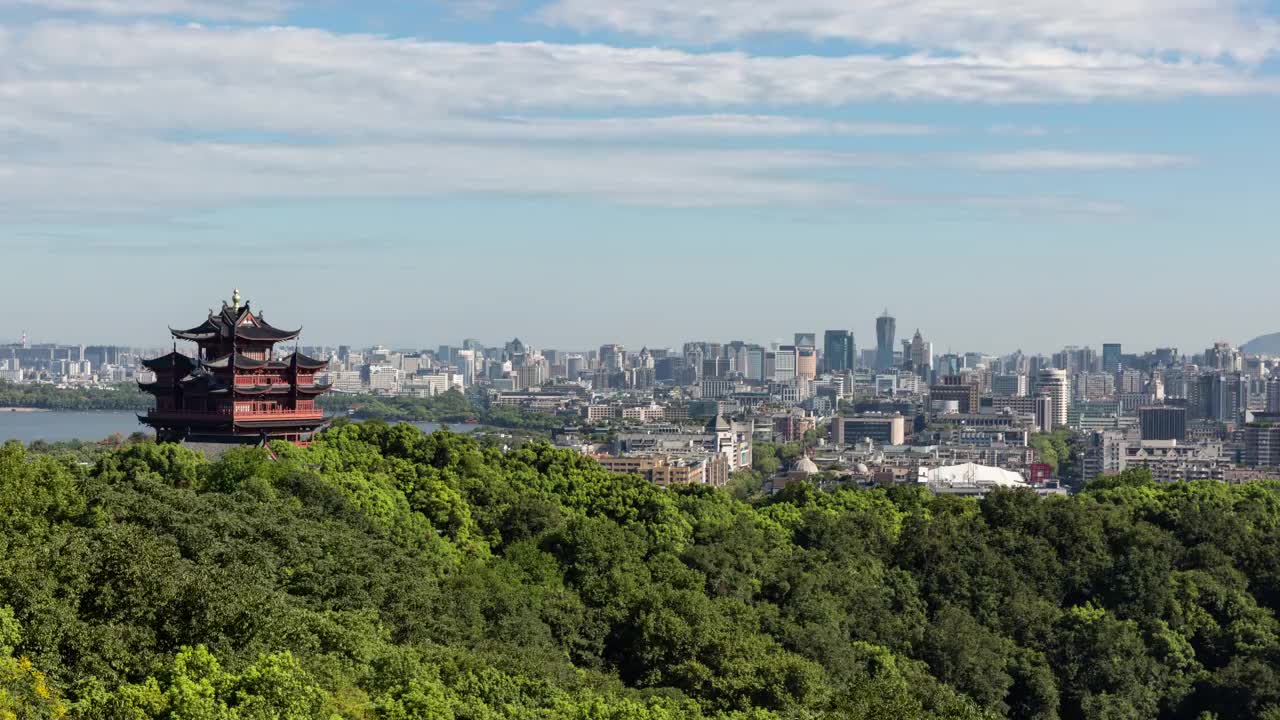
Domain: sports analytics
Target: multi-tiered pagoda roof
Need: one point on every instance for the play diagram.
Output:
(234, 388)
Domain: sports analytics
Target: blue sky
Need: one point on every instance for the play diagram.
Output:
(576, 172)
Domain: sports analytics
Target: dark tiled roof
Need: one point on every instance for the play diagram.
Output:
(171, 361)
(221, 325)
(305, 362)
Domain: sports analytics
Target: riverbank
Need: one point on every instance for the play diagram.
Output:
(23, 410)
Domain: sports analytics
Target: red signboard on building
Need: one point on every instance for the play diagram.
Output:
(1041, 474)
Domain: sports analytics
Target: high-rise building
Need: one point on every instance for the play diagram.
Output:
(1053, 384)
(886, 328)
(612, 358)
(921, 355)
(755, 369)
(1163, 423)
(466, 362)
(1009, 385)
(1273, 395)
(1222, 356)
(713, 367)
(806, 362)
(839, 351)
(1128, 381)
(1075, 360)
(1223, 396)
(784, 363)
(1111, 357)
(1044, 413)
(1262, 441)
(806, 340)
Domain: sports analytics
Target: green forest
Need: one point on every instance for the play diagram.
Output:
(450, 407)
(48, 397)
(384, 573)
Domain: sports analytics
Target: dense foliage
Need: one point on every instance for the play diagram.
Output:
(383, 573)
(48, 397)
(1055, 450)
(449, 407)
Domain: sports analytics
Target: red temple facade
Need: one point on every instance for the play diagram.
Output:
(233, 390)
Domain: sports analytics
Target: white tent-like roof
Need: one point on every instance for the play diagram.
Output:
(971, 474)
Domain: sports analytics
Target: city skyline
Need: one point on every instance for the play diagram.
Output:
(632, 348)
(998, 176)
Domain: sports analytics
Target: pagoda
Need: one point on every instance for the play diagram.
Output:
(232, 390)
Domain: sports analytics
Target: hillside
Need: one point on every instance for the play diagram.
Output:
(386, 574)
(1264, 345)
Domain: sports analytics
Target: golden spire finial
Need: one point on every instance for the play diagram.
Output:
(235, 299)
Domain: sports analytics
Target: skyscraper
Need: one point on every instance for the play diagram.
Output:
(1111, 357)
(921, 355)
(1224, 397)
(806, 362)
(612, 357)
(837, 346)
(809, 340)
(784, 363)
(1055, 386)
(886, 327)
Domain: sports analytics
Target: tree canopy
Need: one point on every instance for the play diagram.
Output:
(384, 573)
(48, 397)
(449, 407)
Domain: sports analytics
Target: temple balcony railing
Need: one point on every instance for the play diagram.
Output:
(301, 413)
(170, 413)
(251, 415)
(253, 380)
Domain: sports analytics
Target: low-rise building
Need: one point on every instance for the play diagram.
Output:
(689, 468)
(791, 427)
(731, 439)
(1113, 452)
(543, 402)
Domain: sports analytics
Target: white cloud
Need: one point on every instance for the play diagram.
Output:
(680, 126)
(1064, 160)
(1200, 28)
(155, 115)
(139, 175)
(241, 10)
(312, 80)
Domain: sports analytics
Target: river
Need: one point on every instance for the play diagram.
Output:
(59, 426)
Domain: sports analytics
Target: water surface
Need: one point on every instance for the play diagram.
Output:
(28, 427)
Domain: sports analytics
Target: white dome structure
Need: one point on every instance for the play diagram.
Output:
(806, 466)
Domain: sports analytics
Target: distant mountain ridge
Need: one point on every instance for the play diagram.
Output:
(1264, 345)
